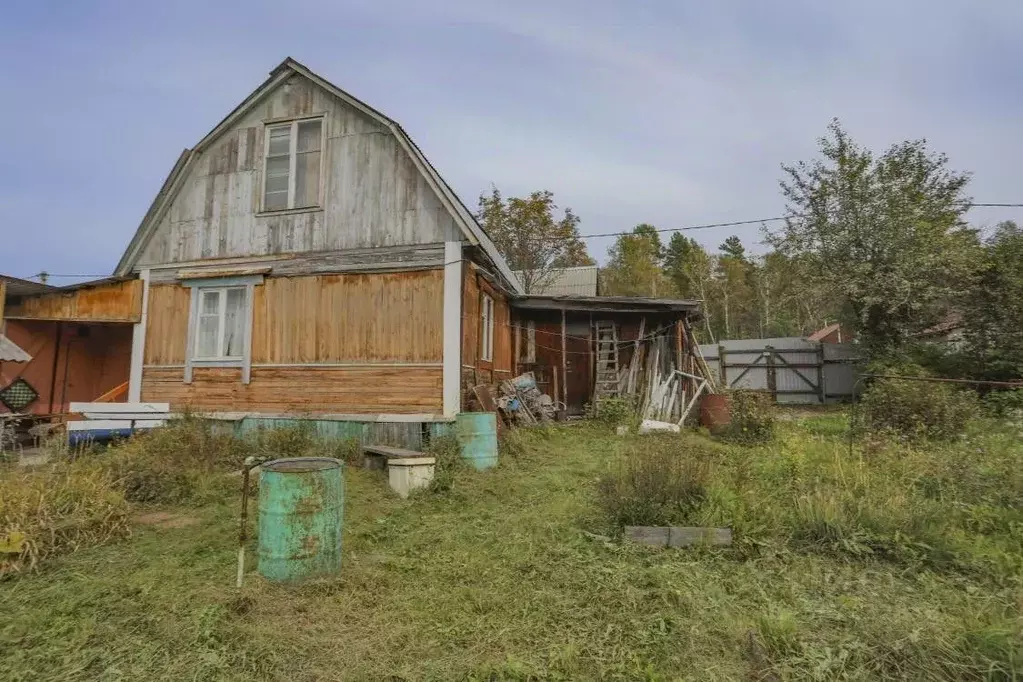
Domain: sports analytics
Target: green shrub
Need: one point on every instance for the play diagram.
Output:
(918, 409)
(448, 453)
(753, 418)
(614, 412)
(56, 510)
(173, 464)
(1005, 404)
(658, 486)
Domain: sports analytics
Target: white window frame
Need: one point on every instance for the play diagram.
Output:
(292, 163)
(222, 285)
(221, 316)
(486, 328)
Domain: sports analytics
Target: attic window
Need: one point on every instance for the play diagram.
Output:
(292, 165)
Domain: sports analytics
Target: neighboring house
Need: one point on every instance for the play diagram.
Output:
(950, 331)
(575, 281)
(833, 333)
(305, 260)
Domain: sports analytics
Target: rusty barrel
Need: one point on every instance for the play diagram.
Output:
(715, 410)
(301, 512)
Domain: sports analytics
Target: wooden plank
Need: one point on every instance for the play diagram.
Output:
(564, 360)
(392, 453)
(685, 536)
(119, 408)
(3, 296)
(99, 424)
(107, 302)
(648, 535)
(127, 415)
(300, 390)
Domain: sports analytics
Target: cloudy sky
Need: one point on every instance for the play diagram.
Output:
(672, 112)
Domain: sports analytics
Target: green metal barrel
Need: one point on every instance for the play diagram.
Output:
(301, 511)
(477, 433)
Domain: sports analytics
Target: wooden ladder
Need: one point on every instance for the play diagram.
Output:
(607, 361)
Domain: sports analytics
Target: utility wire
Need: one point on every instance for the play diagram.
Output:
(685, 228)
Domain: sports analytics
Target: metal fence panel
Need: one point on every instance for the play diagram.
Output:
(794, 369)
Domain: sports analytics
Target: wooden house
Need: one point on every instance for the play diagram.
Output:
(304, 260)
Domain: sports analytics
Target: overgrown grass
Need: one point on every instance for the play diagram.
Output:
(56, 510)
(495, 579)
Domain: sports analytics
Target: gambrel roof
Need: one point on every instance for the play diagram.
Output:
(471, 229)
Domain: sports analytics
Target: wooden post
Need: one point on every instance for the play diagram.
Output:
(821, 395)
(772, 377)
(518, 347)
(635, 357)
(3, 295)
(591, 345)
(722, 368)
(564, 360)
(678, 350)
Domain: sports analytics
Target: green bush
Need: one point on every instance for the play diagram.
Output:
(660, 485)
(614, 412)
(918, 409)
(173, 464)
(1004, 404)
(753, 418)
(448, 453)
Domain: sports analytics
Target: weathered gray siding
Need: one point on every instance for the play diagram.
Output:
(374, 194)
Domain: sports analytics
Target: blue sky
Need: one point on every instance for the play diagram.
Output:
(672, 112)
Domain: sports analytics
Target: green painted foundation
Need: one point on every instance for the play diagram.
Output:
(301, 514)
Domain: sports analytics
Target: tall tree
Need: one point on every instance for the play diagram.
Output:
(531, 238)
(993, 307)
(733, 248)
(690, 270)
(634, 265)
(884, 236)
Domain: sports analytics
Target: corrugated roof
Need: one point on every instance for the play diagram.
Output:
(24, 287)
(576, 281)
(11, 352)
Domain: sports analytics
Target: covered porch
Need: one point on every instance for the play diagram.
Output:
(65, 344)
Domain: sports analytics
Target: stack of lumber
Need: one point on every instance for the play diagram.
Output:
(665, 374)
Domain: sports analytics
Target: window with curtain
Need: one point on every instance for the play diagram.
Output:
(220, 324)
(486, 328)
(291, 169)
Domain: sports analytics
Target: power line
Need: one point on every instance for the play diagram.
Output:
(686, 228)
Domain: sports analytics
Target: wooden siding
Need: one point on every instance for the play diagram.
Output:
(474, 368)
(373, 194)
(91, 360)
(342, 318)
(167, 324)
(396, 317)
(110, 302)
(299, 390)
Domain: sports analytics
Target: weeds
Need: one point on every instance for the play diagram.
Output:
(752, 418)
(918, 410)
(54, 511)
(660, 486)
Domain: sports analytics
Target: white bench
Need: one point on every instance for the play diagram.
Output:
(104, 421)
